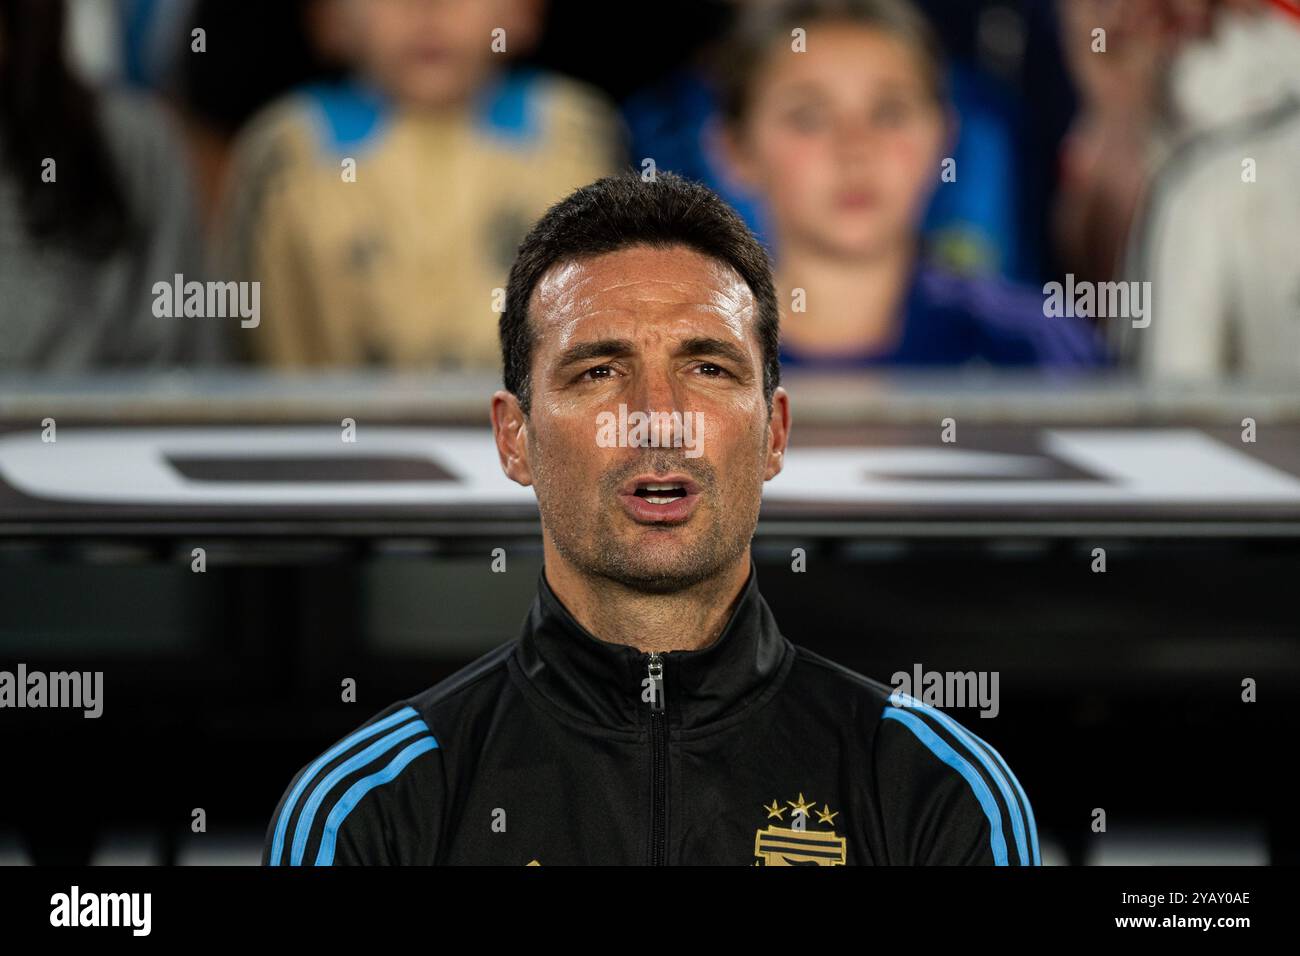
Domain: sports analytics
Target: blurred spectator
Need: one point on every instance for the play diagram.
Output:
(845, 143)
(1136, 106)
(1106, 155)
(455, 156)
(138, 43)
(215, 63)
(95, 208)
(255, 52)
(1217, 236)
(972, 225)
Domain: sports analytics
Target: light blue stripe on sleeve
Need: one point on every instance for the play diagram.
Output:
(365, 733)
(939, 747)
(325, 856)
(351, 765)
(973, 744)
(1024, 797)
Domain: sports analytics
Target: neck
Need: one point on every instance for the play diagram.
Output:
(684, 620)
(850, 303)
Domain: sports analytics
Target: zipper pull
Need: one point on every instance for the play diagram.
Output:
(654, 683)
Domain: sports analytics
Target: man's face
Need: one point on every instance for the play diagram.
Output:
(655, 331)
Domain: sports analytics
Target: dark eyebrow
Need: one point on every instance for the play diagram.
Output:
(601, 348)
(698, 346)
(720, 348)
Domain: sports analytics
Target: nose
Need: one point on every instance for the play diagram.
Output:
(657, 394)
(856, 139)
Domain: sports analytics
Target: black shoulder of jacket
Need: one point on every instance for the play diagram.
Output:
(349, 804)
(945, 795)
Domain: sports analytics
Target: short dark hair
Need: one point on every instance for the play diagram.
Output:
(621, 211)
(759, 26)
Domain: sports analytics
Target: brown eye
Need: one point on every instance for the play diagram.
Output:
(892, 113)
(805, 119)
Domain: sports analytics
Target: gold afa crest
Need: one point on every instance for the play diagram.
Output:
(797, 845)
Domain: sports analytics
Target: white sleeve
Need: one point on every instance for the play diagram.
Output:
(1180, 247)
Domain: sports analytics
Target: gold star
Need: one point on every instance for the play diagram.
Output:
(774, 811)
(824, 815)
(801, 806)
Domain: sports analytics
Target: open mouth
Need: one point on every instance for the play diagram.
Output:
(660, 494)
(660, 499)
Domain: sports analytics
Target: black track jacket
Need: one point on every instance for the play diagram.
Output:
(560, 748)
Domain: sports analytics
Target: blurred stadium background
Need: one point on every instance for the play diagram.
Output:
(372, 561)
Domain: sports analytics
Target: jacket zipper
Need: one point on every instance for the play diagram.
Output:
(658, 760)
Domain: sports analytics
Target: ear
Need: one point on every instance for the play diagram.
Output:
(510, 430)
(778, 433)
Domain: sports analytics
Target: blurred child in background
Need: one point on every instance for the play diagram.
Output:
(455, 155)
(845, 142)
(976, 224)
(95, 208)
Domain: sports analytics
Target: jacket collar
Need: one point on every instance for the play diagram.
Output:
(601, 682)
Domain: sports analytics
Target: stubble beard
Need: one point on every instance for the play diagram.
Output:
(585, 532)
